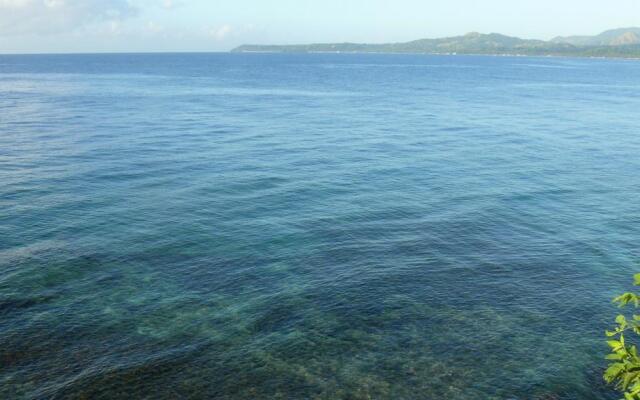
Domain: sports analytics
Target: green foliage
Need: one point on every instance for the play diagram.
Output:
(624, 368)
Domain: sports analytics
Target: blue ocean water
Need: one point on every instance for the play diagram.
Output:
(323, 226)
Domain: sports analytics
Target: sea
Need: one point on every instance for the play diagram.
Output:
(314, 226)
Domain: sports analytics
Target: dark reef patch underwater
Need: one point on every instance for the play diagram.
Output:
(242, 226)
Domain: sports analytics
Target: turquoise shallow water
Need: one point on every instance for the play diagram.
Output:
(313, 226)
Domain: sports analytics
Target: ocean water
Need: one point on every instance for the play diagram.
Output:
(253, 226)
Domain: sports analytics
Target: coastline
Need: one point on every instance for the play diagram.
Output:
(439, 54)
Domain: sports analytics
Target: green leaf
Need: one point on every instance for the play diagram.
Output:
(627, 379)
(623, 299)
(613, 371)
(614, 344)
(626, 298)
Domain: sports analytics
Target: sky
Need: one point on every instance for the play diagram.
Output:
(77, 26)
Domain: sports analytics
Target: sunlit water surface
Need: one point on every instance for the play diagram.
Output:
(229, 226)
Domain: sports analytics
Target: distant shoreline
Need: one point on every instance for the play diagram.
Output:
(617, 43)
(637, 58)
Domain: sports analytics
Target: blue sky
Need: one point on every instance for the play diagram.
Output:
(28, 26)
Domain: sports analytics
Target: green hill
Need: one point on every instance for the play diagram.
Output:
(615, 43)
(614, 37)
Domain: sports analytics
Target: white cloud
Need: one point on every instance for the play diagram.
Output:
(222, 32)
(171, 4)
(19, 17)
(230, 33)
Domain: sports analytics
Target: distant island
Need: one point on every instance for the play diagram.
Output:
(623, 43)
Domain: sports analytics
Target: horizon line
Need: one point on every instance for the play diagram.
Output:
(294, 44)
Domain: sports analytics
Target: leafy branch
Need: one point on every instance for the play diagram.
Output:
(624, 368)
